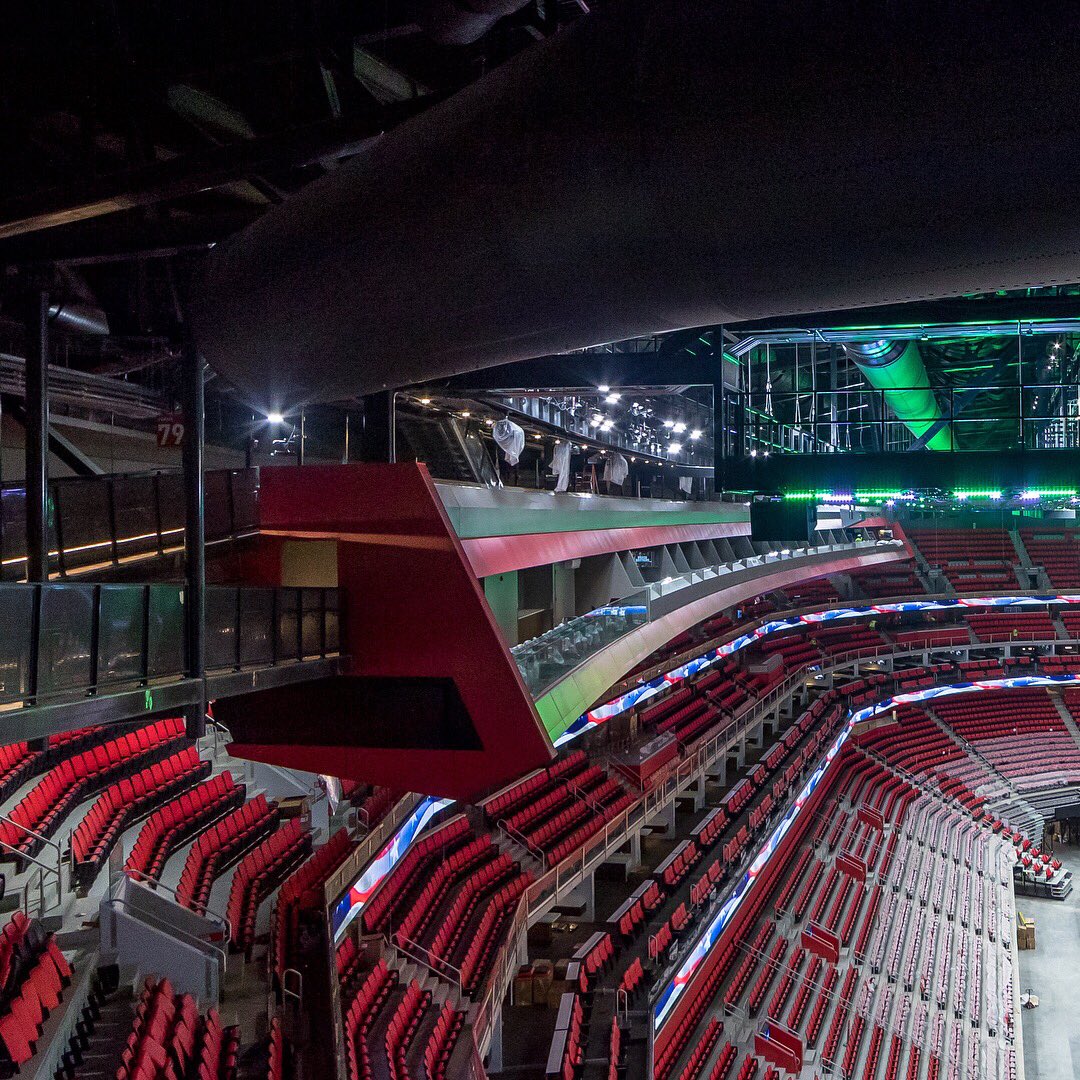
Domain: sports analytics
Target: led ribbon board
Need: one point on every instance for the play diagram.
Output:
(352, 903)
(1019, 682)
(712, 933)
(602, 713)
(673, 991)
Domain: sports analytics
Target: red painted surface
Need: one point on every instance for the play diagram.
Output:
(822, 942)
(779, 1047)
(851, 865)
(413, 607)
(500, 554)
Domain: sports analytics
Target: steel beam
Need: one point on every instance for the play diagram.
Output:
(37, 442)
(194, 388)
(201, 170)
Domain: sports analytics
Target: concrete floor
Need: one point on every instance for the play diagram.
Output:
(1052, 971)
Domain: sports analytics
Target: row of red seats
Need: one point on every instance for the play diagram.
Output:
(481, 949)
(507, 802)
(441, 1043)
(836, 1028)
(168, 828)
(631, 920)
(402, 1028)
(573, 1040)
(768, 973)
(1057, 553)
(34, 975)
(222, 845)
(616, 1064)
(787, 981)
(301, 897)
(821, 1006)
(125, 801)
(596, 960)
(168, 1038)
(703, 1048)
(261, 871)
(749, 964)
(42, 810)
(681, 861)
(409, 870)
(455, 868)
(481, 883)
(360, 1015)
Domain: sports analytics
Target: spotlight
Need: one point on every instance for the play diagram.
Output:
(679, 428)
(607, 425)
(674, 448)
(425, 401)
(275, 418)
(612, 398)
(669, 423)
(465, 415)
(696, 433)
(595, 422)
(603, 389)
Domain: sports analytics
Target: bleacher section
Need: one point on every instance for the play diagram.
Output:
(972, 560)
(933, 802)
(1057, 551)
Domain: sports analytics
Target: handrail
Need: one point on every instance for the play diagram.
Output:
(43, 867)
(297, 994)
(172, 930)
(435, 964)
(158, 884)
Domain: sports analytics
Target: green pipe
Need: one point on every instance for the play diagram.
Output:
(897, 368)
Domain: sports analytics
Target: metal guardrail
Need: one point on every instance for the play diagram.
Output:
(101, 521)
(63, 641)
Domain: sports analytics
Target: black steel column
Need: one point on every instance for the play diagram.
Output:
(37, 442)
(377, 437)
(194, 408)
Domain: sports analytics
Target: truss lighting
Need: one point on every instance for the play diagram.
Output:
(275, 418)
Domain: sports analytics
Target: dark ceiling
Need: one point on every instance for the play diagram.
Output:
(135, 133)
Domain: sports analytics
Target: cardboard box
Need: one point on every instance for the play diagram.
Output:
(1025, 932)
(523, 986)
(542, 976)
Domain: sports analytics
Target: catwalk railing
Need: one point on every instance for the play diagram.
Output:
(66, 641)
(101, 521)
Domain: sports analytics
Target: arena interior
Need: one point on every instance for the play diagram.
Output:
(539, 539)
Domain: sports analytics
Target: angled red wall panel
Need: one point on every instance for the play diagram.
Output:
(413, 607)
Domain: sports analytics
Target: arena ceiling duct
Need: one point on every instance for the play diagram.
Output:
(668, 163)
(897, 369)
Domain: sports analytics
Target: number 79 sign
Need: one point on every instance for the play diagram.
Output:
(170, 430)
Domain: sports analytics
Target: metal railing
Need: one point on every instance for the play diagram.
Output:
(65, 641)
(545, 660)
(101, 521)
(43, 868)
